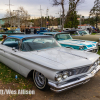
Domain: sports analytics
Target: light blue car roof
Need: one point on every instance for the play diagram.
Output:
(50, 32)
(26, 36)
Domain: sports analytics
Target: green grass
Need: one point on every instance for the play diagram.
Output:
(98, 52)
(93, 33)
(7, 75)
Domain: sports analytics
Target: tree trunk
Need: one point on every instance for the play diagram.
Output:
(63, 19)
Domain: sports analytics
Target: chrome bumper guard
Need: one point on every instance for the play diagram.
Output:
(59, 88)
(92, 50)
(98, 44)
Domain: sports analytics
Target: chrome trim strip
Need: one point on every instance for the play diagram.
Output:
(69, 87)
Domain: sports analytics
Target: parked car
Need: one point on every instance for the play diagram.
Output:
(10, 32)
(43, 29)
(50, 64)
(66, 29)
(66, 40)
(83, 35)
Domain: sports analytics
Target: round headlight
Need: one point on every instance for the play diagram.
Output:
(95, 64)
(65, 75)
(97, 45)
(58, 77)
(98, 61)
(99, 39)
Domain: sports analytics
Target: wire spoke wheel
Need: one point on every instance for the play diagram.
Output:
(39, 80)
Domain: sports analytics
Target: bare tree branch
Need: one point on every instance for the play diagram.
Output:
(62, 3)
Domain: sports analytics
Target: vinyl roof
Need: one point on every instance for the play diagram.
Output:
(28, 36)
(73, 30)
(51, 32)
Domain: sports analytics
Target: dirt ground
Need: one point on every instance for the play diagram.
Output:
(88, 91)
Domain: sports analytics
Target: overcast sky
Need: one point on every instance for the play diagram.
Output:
(33, 6)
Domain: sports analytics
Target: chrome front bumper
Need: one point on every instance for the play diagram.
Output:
(59, 88)
(98, 44)
(94, 50)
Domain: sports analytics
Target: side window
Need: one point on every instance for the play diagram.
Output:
(74, 33)
(57, 37)
(11, 42)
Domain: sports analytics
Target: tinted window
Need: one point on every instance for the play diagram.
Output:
(63, 37)
(38, 44)
(83, 32)
(10, 42)
(73, 33)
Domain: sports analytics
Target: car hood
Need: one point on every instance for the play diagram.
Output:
(78, 42)
(61, 58)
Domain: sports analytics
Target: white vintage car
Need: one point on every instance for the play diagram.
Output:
(50, 64)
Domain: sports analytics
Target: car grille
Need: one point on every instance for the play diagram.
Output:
(78, 70)
(82, 70)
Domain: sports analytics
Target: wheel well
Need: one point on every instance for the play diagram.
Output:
(30, 74)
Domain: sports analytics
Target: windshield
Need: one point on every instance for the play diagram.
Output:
(13, 31)
(83, 33)
(9, 31)
(63, 37)
(31, 44)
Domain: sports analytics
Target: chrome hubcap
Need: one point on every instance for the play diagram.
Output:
(40, 79)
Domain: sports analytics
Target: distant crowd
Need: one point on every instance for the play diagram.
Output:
(28, 31)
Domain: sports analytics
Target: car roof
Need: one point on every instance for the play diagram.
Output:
(51, 32)
(73, 30)
(27, 36)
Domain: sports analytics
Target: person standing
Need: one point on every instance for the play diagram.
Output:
(90, 30)
(35, 31)
(97, 29)
(4, 36)
(28, 31)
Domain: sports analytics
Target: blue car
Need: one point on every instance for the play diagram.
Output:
(11, 32)
(66, 40)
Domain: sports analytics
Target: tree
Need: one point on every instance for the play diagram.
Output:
(8, 17)
(95, 11)
(62, 3)
(6, 25)
(71, 20)
(24, 16)
(17, 16)
(92, 21)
